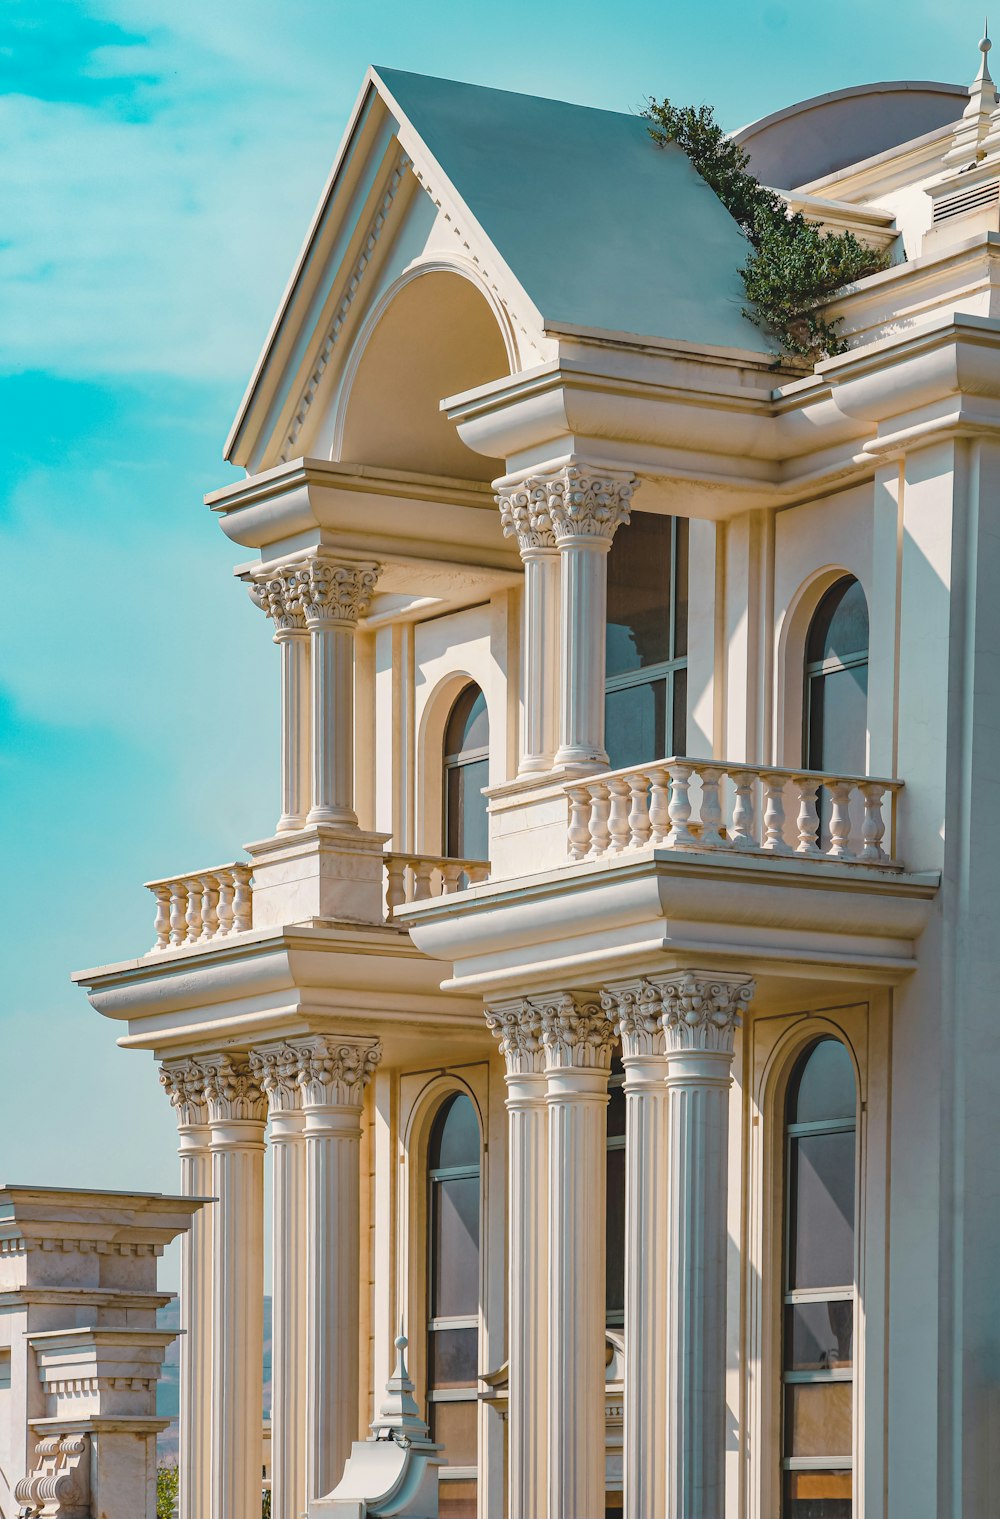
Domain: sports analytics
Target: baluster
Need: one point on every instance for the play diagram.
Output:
(808, 818)
(600, 811)
(774, 814)
(450, 874)
(224, 906)
(478, 874)
(395, 883)
(209, 912)
(162, 921)
(743, 828)
(840, 819)
(679, 807)
(639, 826)
(711, 808)
(193, 915)
(242, 899)
(421, 880)
(659, 805)
(873, 827)
(578, 832)
(618, 823)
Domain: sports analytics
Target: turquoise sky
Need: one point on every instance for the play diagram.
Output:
(161, 161)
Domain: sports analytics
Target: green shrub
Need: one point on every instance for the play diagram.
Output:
(793, 266)
(167, 1484)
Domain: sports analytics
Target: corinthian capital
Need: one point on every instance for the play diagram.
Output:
(184, 1083)
(701, 1010)
(575, 1033)
(232, 1091)
(584, 502)
(517, 1026)
(337, 592)
(524, 513)
(279, 594)
(334, 1072)
(634, 1010)
(276, 1069)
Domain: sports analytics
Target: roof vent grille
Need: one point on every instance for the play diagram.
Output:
(960, 202)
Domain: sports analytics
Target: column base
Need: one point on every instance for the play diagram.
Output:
(576, 760)
(318, 871)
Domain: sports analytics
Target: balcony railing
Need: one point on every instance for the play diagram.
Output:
(417, 877)
(683, 803)
(208, 904)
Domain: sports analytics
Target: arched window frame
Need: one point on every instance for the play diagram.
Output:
(767, 1051)
(456, 761)
(817, 670)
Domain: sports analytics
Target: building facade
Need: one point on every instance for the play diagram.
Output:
(614, 1000)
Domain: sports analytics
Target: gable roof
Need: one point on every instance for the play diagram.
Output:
(602, 227)
(597, 226)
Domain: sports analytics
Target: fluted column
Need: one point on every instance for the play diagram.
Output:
(335, 597)
(523, 506)
(279, 594)
(276, 1067)
(578, 1041)
(184, 1082)
(517, 1025)
(633, 1008)
(236, 1114)
(700, 1014)
(332, 1075)
(585, 506)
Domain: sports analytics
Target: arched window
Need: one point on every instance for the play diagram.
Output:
(614, 1282)
(645, 704)
(453, 1307)
(819, 1284)
(466, 772)
(836, 695)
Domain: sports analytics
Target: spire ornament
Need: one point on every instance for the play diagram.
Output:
(977, 132)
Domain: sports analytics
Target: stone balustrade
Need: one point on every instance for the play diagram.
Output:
(417, 877)
(207, 904)
(684, 803)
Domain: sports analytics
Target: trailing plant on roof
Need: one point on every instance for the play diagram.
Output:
(793, 266)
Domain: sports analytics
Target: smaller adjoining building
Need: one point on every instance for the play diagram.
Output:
(80, 1351)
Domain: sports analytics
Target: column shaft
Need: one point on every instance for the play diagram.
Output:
(288, 1316)
(584, 614)
(333, 1233)
(540, 658)
(296, 725)
(528, 1308)
(333, 723)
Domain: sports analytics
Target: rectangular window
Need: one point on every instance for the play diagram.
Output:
(646, 642)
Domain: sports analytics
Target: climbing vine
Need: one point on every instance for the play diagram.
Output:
(793, 266)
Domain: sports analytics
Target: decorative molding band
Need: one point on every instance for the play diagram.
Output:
(576, 1034)
(517, 1027)
(634, 1009)
(702, 1010)
(19, 1245)
(352, 286)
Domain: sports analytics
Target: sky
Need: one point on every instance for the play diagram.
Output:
(161, 161)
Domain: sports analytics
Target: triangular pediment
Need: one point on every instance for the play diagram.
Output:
(569, 219)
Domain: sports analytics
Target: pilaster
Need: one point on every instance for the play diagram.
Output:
(518, 1028)
(577, 1042)
(633, 1009)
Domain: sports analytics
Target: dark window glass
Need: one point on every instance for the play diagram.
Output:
(839, 628)
(453, 1308)
(614, 1287)
(467, 772)
(646, 642)
(836, 706)
(818, 1325)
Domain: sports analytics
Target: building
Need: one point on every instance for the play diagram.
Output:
(615, 998)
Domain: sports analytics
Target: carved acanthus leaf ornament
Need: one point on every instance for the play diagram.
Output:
(634, 1010)
(576, 1033)
(517, 1026)
(701, 1012)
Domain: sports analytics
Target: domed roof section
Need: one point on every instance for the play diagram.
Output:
(816, 137)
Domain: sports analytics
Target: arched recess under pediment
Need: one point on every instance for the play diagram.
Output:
(434, 333)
